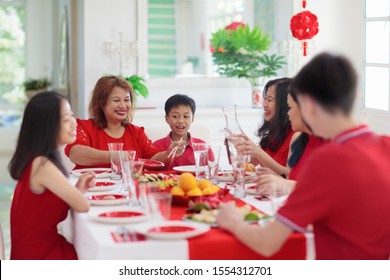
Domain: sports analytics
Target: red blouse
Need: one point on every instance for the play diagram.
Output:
(281, 155)
(313, 143)
(134, 138)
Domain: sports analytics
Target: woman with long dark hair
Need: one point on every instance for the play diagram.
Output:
(43, 194)
(275, 133)
(301, 148)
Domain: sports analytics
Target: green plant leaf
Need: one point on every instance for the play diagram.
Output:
(240, 53)
(139, 85)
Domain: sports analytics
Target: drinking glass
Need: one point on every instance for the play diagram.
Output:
(200, 154)
(213, 163)
(238, 164)
(114, 149)
(162, 205)
(127, 160)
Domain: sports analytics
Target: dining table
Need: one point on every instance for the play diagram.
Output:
(97, 240)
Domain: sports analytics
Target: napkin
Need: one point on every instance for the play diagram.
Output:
(128, 237)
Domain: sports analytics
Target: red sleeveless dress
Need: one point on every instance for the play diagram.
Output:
(34, 219)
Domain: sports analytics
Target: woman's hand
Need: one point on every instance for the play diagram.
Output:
(229, 216)
(246, 146)
(266, 182)
(86, 181)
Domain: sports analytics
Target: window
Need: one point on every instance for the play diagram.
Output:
(179, 31)
(377, 55)
(12, 61)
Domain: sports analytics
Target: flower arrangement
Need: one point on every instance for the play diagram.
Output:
(238, 51)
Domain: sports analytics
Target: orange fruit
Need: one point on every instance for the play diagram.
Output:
(215, 188)
(250, 167)
(202, 184)
(209, 191)
(194, 192)
(177, 191)
(187, 181)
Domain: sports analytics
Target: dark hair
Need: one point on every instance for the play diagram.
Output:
(100, 95)
(39, 133)
(273, 133)
(177, 100)
(330, 80)
(299, 145)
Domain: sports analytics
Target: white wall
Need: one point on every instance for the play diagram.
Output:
(102, 21)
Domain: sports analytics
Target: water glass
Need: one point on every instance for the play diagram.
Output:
(163, 202)
(213, 163)
(137, 168)
(239, 164)
(127, 160)
(200, 154)
(114, 149)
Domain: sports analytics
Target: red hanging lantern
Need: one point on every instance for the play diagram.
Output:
(304, 26)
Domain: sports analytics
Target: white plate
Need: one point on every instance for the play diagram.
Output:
(118, 216)
(227, 176)
(102, 186)
(107, 199)
(187, 168)
(100, 172)
(169, 230)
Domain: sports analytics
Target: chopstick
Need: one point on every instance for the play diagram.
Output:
(173, 152)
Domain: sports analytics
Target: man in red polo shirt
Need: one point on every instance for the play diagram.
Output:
(344, 189)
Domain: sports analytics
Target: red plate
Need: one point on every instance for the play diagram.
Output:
(102, 196)
(104, 184)
(170, 229)
(150, 164)
(120, 214)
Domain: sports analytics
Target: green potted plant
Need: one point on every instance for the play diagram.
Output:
(139, 85)
(34, 86)
(239, 52)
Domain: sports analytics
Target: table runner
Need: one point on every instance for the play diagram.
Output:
(220, 244)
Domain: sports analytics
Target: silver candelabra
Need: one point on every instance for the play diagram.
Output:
(123, 51)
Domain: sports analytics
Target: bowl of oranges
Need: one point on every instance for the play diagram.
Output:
(188, 188)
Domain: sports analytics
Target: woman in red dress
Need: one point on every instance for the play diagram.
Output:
(301, 148)
(110, 111)
(43, 194)
(275, 133)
